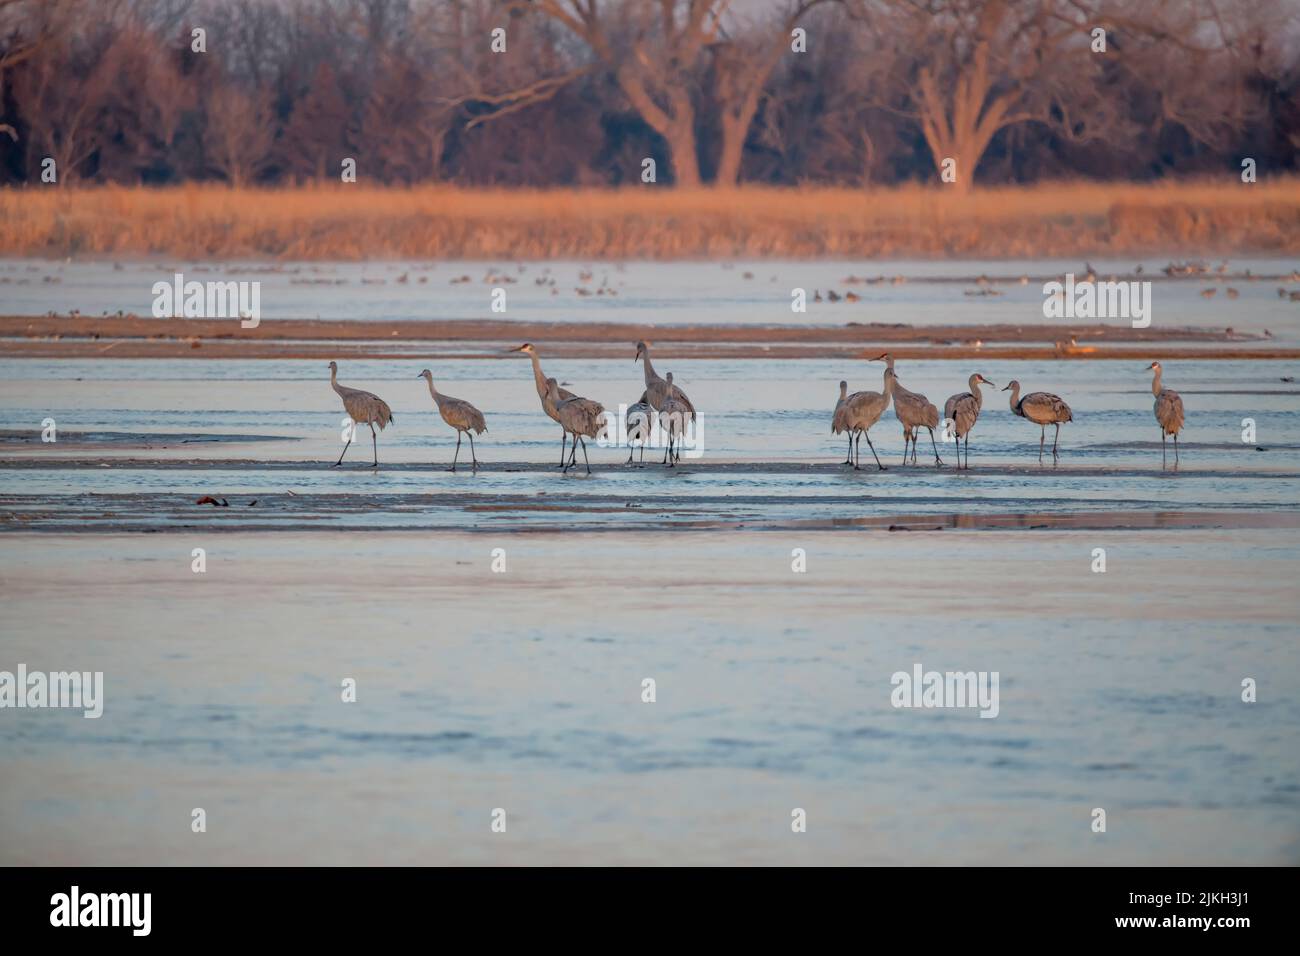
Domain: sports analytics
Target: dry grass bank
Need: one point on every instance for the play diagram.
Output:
(356, 222)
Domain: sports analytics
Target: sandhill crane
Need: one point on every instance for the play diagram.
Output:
(840, 420)
(579, 417)
(364, 408)
(1169, 413)
(963, 410)
(639, 417)
(460, 415)
(656, 388)
(863, 409)
(540, 381)
(1043, 409)
(673, 416)
(914, 411)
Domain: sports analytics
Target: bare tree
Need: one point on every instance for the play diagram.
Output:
(239, 135)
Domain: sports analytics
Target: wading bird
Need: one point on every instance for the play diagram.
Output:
(657, 389)
(364, 408)
(840, 420)
(673, 416)
(862, 410)
(460, 415)
(547, 405)
(1169, 413)
(638, 428)
(963, 410)
(579, 417)
(914, 412)
(1043, 409)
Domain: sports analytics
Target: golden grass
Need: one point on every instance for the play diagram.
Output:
(649, 222)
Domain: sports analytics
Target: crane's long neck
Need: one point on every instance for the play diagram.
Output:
(334, 380)
(538, 377)
(974, 384)
(1015, 396)
(1155, 382)
(844, 390)
(437, 400)
(650, 375)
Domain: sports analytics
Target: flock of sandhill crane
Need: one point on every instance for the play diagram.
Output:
(855, 414)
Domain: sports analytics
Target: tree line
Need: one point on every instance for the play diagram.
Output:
(583, 92)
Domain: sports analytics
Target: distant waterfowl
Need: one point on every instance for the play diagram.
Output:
(1208, 293)
(1043, 409)
(1168, 410)
(580, 417)
(914, 411)
(364, 408)
(460, 415)
(963, 410)
(539, 380)
(1232, 293)
(862, 410)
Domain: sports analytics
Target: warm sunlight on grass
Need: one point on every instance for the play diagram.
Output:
(354, 222)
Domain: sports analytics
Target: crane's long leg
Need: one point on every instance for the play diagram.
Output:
(374, 443)
(457, 455)
(641, 460)
(471, 448)
(341, 454)
(849, 460)
(937, 459)
(1164, 455)
(1175, 449)
(584, 453)
(1042, 436)
(564, 439)
(1056, 440)
(857, 463)
(873, 452)
(904, 461)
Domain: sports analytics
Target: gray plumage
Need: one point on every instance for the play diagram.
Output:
(460, 415)
(1168, 410)
(548, 406)
(657, 389)
(364, 408)
(674, 414)
(638, 427)
(862, 410)
(1043, 409)
(914, 412)
(963, 410)
(580, 417)
(840, 420)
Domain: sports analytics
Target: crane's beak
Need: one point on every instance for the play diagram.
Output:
(1007, 389)
(1149, 367)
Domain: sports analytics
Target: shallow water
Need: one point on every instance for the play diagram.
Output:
(180, 423)
(676, 293)
(522, 690)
